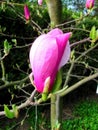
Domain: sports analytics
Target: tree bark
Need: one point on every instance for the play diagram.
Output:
(55, 11)
(55, 14)
(56, 112)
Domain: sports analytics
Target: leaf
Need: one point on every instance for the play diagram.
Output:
(22, 122)
(3, 6)
(83, 26)
(8, 113)
(72, 54)
(93, 33)
(7, 47)
(14, 41)
(57, 125)
(15, 110)
(44, 96)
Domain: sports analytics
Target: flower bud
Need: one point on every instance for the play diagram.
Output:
(48, 54)
(40, 2)
(26, 12)
(89, 4)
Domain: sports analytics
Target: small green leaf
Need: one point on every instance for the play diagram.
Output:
(15, 110)
(8, 113)
(83, 26)
(3, 6)
(72, 54)
(44, 96)
(14, 41)
(57, 126)
(7, 47)
(22, 122)
(93, 33)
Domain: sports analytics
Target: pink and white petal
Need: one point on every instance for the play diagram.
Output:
(66, 56)
(62, 42)
(34, 47)
(45, 62)
(45, 57)
(55, 32)
(40, 2)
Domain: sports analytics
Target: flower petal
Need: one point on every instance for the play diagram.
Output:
(63, 47)
(55, 32)
(34, 47)
(26, 12)
(48, 54)
(44, 62)
(66, 56)
(89, 4)
(40, 2)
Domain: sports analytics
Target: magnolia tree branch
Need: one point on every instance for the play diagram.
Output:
(1, 58)
(89, 50)
(73, 21)
(79, 42)
(65, 90)
(25, 104)
(83, 54)
(60, 93)
(68, 74)
(8, 84)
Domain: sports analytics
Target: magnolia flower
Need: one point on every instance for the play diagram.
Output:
(40, 2)
(48, 54)
(90, 4)
(26, 12)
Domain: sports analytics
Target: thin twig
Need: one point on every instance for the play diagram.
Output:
(11, 83)
(25, 104)
(79, 42)
(79, 83)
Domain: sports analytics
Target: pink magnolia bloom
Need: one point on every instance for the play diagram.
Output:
(48, 54)
(89, 4)
(26, 12)
(40, 2)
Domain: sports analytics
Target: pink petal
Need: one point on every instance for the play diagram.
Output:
(26, 12)
(44, 62)
(40, 2)
(89, 4)
(34, 48)
(66, 56)
(55, 32)
(62, 41)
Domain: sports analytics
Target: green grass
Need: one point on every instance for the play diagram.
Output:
(85, 117)
(38, 120)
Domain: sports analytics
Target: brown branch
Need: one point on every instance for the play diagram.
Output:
(64, 92)
(73, 21)
(13, 83)
(1, 58)
(79, 42)
(25, 104)
(84, 53)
